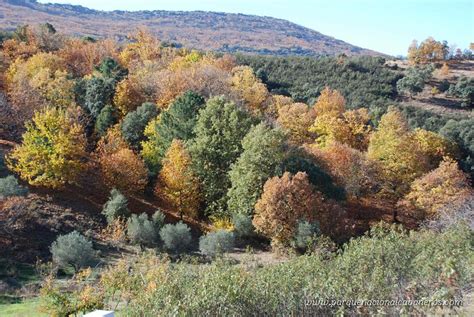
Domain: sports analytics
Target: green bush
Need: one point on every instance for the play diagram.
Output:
(243, 227)
(107, 117)
(364, 81)
(134, 123)
(141, 230)
(73, 249)
(216, 243)
(9, 187)
(464, 89)
(158, 219)
(306, 234)
(176, 238)
(415, 79)
(116, 206)
(386, 264)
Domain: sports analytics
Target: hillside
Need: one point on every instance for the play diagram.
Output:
(195, 29)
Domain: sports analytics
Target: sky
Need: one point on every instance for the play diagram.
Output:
(387, 26)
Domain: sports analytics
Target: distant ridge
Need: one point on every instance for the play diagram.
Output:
(224, 32)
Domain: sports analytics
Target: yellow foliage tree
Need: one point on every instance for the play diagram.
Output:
(444, 70)
(249, 88)
(437, 189)
(128, 95)
(296, 119)
(39, 81)
(144, 46)
(52, 149)
(177, 183)
(275, 103)
(334, 124)
(120, 166)
(434, 146)
(398, 152)
(429, 50)
(330, 102)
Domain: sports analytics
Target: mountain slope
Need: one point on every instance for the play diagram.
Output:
(196, 29)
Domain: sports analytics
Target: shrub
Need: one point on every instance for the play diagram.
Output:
(415, 79)
(444, 85)
(9, 187)
(116, 206)
(158, 219)
(73, 249)
(243, 227)
(215, 243)
(134, 123)
(306, 233)
(176, 238)
(464, 89)
(141, 230)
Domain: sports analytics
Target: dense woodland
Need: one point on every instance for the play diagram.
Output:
(315, 159)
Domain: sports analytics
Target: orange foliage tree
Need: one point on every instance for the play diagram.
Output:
(350, 168)
(438, 188)
(82, 56)
(120, 166)
(296, 119)
(285, 201)
(428, 51)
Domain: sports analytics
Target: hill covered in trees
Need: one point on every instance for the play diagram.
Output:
(131, 166)
(198, 29)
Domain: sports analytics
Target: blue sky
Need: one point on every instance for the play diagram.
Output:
(387, 26)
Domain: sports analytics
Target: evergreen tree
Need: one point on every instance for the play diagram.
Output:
(263, 152)
(176, 123)
(219, 131)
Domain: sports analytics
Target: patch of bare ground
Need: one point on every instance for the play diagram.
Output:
(440, 102)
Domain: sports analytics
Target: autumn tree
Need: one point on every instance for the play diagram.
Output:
(249, 88)
(38, 81)
(263, 152)
(120, 166)
(400, 156)
(427, 51)
(177, 183)
(219, 130)
(438, 188)
(208, 77)
(134, 123)
(275, 103)
(82, 56)
(285, 201)
(434, 146)
(52, 151)
(334, 124)
(350, 168)
(142, 47)
(129, 95)
(176, 123)
(330, 102)
(444, 70)
(296, 119)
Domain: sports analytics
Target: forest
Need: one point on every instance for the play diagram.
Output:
(158, 180)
